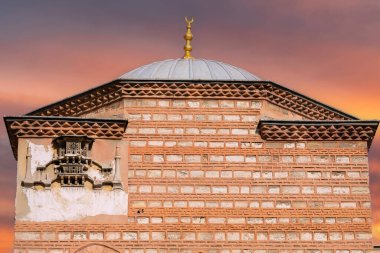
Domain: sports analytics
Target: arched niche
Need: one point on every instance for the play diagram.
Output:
(96, 248)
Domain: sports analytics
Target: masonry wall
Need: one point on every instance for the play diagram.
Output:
(200, 179)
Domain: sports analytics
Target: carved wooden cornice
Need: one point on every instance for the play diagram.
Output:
(116, 90)
(352, 130)
(51, 127)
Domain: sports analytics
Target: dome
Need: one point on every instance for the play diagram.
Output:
(189, 69)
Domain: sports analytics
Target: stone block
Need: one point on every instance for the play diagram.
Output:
(156, 220)
(226, 204)
(27, 236)
(145, 188)
(212, 174)
(197, 173)
(242, 104)
(273, 189)
(135, 158)
(283, 204)
(226, 174)
(289, 145)
(158, 236)
(360, 190)
(267, 204)
(173, 189)
(174, 236)
(171, 220)
(96, 236)
(147, 130)
(233, 236)
(187, 189)
(179, 103)
(216, 158)
(286, 159)
(242, 174)
(174, 117)
(144, 236)
(196, 204)
(292, 236)
(342, 159)
(219, 189)
(359, 159)
(214, 117)
(306, 236)
(193, 104)
(192, 130)
(189, 236)
(159, 189)
(48, 236)
(174, 158)
(202, 189)
(262, 236)
(164, 130)
(193, 158)
(264, 158)
(155, 143)
(158, 158)
(146, 117)
(163, 103)
(180, 204)
(227, 104)
(248, 118)
(236, 220)
(320, 236)
(215, 144)
(110, 236)
(363, 236)
(239, 131)
(282, 174)
(154, 173)
(277, 236)
(129, 236)
(220, 236)
(80, 236)
(258, 189)
(303, 159)
(137, 143)
(169, 173)
(323, 189)
(314, 174)
(290, 189)
(218, 220)
(341, 190)
(142, 220)
(335, 236)
(256, 104)
(307, 189)
(63, 236)
(231, 117)
(250, 159)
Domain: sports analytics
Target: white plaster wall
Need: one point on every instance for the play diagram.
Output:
(68, 204)
(41, 155)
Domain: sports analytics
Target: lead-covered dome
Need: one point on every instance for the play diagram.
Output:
(189, 69)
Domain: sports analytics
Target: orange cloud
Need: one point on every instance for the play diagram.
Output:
(6, 239)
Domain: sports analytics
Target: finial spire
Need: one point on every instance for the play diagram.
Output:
(188, 37)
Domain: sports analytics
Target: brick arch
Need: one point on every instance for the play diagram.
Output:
(96, 248)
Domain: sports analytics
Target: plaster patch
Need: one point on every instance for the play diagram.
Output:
(67, 204)
(41, 155)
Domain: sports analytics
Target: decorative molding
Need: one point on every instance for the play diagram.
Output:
(116, 90)
(357, 130)
(51, 127)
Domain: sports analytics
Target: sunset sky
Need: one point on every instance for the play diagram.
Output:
(328, 50)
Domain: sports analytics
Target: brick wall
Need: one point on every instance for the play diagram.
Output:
(200, 179)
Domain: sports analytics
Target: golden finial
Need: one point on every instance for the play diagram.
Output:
(188, 37)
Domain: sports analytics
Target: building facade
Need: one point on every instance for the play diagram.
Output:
(191, 155)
